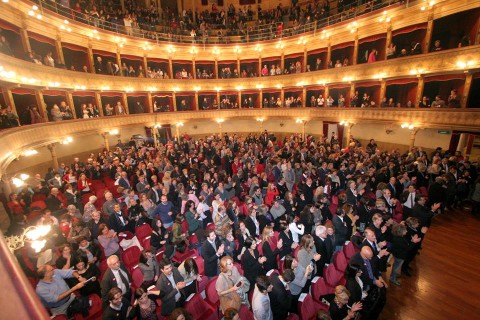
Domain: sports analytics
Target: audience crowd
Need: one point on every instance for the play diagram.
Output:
(149, 226)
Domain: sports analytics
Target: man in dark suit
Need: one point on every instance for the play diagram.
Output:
(423, 213)
(389, 200)
(380, 257)
(212, 251)
(280, 297)
(123, 181)
(117, 221)
(320, 240)
(370, 274)
(171, 285)
(115, 276)
(53, 203)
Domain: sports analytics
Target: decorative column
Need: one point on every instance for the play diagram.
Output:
(170, 68)
(8, 97)
(91, 63)
(420, 86)
(218, 99)
(413, 133)
(239, 99)
(329, 51)
(58, 48)
(352, 93)
(149, 102)
(389, 38)
(462, 142)
(98, 101)
(355, 49)
(174, 98)
(196, 102)
(145, 63)
(105, 140)
(348, 133)
(260, 97)
(282, 96)
(53, 153)
(305, 58)
(327, 93)
(466, 89)
(42, 108)
(194, 66)
(259, 71)
(383, 89)
(282, 61)
(238, 65)
(24, 34)
(125, 102)
(70, 103)
(304, 97)
(119, 58)
(428, 36)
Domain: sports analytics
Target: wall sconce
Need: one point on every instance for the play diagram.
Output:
(258, 48)
(300, 121)
(67, 140)
(259, 86)
(407, 125)
(352, 26)
(280, 45)
(157, 126)
(152, 89)
(384, 17)
(347, 79)
(239, 88)
(175, 89)
(418, 72)
(218, 89)
(33, 234)
(179, 124)
(300, 83)
(325, 35)
(302, 40)
(30, 152)
(193, 50)
(128, 89)
(428, 5)
(380, 76)
(20, 180)
(237, 49)
(196, 89)
(344, 123)
(28, 80)
(216, 51)
(171, 49)
(79, 87)
(113, 132)
(219, 121)
(465, 65)
(260, 119)
(278, 86)
(53, 84)
(105, 88)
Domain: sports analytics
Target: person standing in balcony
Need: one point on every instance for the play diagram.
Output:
(127, 21)
(119, 109)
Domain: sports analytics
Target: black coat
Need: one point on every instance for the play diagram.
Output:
(251, 267)
(210, 257)
(109, 281)
(280, 298)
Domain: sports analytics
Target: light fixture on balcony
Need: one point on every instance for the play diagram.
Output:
(171, 49)
(325, 35)
(237, 49)
(258, 48)
(352, 26)
(20, 180)
(193, 50)
(113, 132)
(344, 123)
(218, 89)
(302, 40)
(347, 79)
(280, 45)
(197, 88)
(465, 65)
(418, 71)
(407, 125)
(152, 89)
(259, 86)
(216, 51)
(179, 124)
(105, 88)
(278, 86)
(239, 88)
(66, 140)
(427, 5)
(175, 89)
(220, 120)
(385, 17)
(33, 234)
(29, 152)
(78, 87)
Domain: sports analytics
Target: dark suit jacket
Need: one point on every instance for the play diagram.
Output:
(423, 215)
(109, 281)
(53, 203)
(321, 247)
(115, 223)
(341, 230)
(168, 292)
(251, 267)
(355, 291)
(251, 226)
(351, 198)
(280, 298)
(210, 257)
(124, 183)
(111, 314)
(357, 258)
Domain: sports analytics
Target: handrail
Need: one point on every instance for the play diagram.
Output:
(250, 34)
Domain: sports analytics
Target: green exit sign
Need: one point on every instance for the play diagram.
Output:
(443, 131)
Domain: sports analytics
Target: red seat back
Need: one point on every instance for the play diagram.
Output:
(137, 277)
(143, 231)
(319, 288)
(200, 264)
(38, 204)
(131, 257)
(308, 308)
(200, 309)
(211, 292)
(340, 261)
(349, 250)
(332, 275)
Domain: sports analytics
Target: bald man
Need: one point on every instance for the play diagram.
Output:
(370, 274)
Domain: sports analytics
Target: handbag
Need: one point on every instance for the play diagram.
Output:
(231, 300)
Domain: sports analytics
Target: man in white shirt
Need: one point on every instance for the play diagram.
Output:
(261, 301)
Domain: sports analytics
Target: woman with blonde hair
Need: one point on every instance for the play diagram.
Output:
(348, 208)
(167, 179)
(271, 254)
(339, 310)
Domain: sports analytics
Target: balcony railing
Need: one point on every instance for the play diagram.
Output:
(165, 33)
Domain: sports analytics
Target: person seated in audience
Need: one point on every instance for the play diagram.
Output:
(118, 306)
(280, 297)
(144, 306)
(53, 291)
(438, 103)
(437, 46)
(87, 271)
(161, 238)
(108, 239)
(189, 271)
(89, 250)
